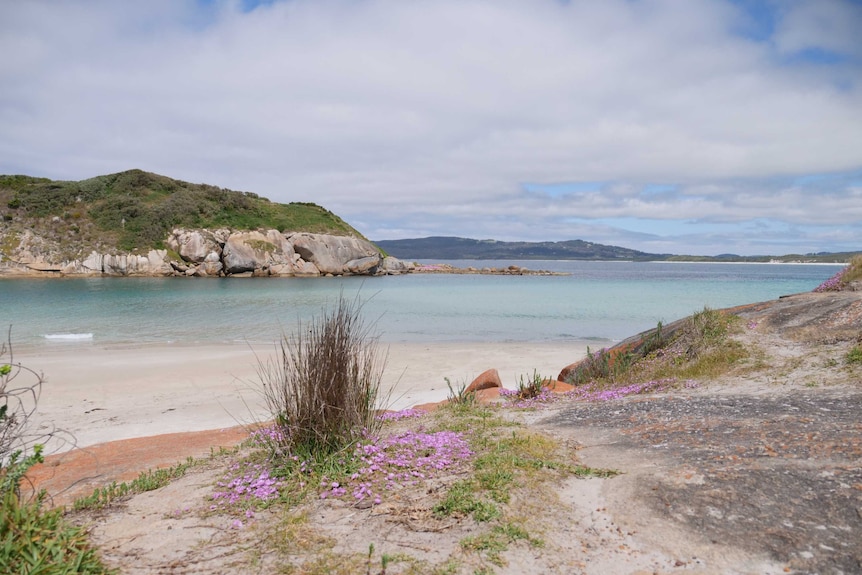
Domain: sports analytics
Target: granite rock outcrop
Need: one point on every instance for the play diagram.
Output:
(210, 253)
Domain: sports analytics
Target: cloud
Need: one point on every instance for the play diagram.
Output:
(445, 114)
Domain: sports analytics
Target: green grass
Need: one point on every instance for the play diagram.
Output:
(458, 395)
(854, 356)
(514, 469)
(701, 348)
(146, 481)
(853, 271)
(466, 498)
(493, 543)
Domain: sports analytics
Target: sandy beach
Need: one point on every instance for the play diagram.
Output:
(99, 394)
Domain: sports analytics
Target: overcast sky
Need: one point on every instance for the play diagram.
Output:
(670, 126)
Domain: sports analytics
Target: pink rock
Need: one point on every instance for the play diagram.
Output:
(557, 386)
(488, 395)
(569, 370)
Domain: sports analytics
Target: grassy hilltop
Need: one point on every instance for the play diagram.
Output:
(135, 211)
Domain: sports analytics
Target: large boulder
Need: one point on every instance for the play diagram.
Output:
(306, 269)
(363, 266)
(250, 251)
(211, 266)
(392, 265)
(330, 254)
(193, 245)
(488, 379)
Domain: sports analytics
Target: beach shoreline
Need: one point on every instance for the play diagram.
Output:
(97, 394)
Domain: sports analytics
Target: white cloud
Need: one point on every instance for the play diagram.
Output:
(438, 112)
(830, 25)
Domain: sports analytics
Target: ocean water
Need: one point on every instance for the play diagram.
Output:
(599, 302)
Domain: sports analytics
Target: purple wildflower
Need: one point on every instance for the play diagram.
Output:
(399, 415)
(833, 283)
(391, 463)
(591, 393)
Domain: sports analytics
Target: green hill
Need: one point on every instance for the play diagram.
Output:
(135, 210)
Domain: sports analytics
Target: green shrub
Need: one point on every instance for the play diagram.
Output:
(19, 393)
(458, 394)
(853, 272)
(530, 388)
(854, 355)
(33, 541)
(700, 347)
(603, 365)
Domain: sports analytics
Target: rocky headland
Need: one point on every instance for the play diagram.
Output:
(211, 253)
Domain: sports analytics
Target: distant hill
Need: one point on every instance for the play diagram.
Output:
(135, 210)
(453, 248)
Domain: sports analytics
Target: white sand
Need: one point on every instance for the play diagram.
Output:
(101, 394)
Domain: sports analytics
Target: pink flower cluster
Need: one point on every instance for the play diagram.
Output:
(399, 415)
(513, 397)
(833, 283)
(589, 392)
(245, 482)
(267, 436)
(401, 460)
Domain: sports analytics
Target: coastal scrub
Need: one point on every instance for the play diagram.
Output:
(841, 279)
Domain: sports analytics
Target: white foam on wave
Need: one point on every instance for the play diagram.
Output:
(69, 336)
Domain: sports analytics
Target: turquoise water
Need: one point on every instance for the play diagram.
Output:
(601, 301)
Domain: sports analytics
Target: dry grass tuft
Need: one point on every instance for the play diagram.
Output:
(322, 390)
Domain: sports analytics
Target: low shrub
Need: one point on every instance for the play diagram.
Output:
(603, 365)
(20, 449)
(32, 540)
(700, 347)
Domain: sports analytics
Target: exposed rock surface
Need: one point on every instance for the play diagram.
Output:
(211, 253)
(331, 254)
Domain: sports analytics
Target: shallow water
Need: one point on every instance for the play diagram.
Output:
(599, 301)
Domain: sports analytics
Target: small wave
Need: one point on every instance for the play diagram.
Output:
(69, 336)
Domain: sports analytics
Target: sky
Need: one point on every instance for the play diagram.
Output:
(698, 127)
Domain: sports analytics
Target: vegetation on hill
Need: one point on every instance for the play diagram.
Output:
(454, 248)
(135, 210)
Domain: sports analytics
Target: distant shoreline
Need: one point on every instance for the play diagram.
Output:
(511, 270)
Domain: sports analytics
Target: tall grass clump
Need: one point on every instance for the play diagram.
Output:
(322, 388)
(602, 365)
